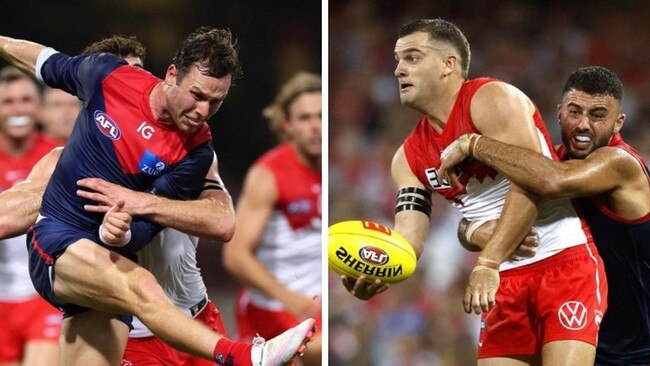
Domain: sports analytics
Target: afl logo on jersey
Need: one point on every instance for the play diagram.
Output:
(107, 126)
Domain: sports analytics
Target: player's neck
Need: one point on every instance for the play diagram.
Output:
(312, 162)
(16, 147)
(439, 109)
(157, 104)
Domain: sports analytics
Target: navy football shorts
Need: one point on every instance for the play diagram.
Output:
(46, 241)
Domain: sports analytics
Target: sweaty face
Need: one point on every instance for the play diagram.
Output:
(420, 66)
(19, 103)
(195, 98)
(59, 113)
(304, 124)
(588, 121)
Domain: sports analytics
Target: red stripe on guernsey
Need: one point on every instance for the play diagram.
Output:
(38, 248)
(424, 145)
(126, 97)
(299, 187)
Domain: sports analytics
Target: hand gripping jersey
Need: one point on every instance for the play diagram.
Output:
(15, 284)
(291, 245)
(171, 258)
(484, 190)
(117, 138)
(624, 246)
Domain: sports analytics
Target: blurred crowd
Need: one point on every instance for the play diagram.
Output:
(533, 45)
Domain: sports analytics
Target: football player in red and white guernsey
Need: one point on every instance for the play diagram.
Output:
(276, 250)
(542, 309)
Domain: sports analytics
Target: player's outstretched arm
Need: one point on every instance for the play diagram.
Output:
(254, 209)
(504, 113)
(603, 170)
(211, 216)
(19, 205)
(23, 54)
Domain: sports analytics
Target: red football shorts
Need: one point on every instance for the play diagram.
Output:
(563, 297)
(151, 351)
(22, 322)
(253, 320)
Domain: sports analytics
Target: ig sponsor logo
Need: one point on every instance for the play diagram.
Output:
(106, 125)
(373, 255)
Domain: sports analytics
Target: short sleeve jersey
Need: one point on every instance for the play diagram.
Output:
(117, 138)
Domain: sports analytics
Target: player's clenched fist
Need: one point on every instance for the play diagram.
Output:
(115, 229)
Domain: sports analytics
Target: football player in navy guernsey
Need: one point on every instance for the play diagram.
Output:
(611, 184)
(145, 134)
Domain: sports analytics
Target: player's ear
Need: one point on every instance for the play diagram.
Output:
(171, 75)
(620, 120)
(450, 64)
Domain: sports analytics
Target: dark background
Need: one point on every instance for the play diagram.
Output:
(276, 39)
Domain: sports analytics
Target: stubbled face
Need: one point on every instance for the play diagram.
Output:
(420, 67)
(195, 98)
(588, 121)
(304, 122)
(59, 112)
(19, 104)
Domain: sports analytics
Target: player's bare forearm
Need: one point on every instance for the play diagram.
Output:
(19, 207)
(518, 215)
(212, 216)
(21, 53)
(413, 226)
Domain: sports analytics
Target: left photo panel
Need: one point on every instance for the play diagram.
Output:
(161, 183)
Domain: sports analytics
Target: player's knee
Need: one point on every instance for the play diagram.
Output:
(146, 290)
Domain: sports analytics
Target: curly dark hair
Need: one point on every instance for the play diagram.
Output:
(212, 50)
(118, 45)
(595, 80)
(443, 31)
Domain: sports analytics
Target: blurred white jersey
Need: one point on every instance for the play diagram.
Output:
(291, 245)
(15, 284)
(171, 258)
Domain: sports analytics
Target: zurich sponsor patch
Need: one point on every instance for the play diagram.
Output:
(106, 125)
(151, 165)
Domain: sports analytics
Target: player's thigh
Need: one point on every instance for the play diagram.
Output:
(93, 338)
(568, 353)
(92, 276)
(510, 361)
(40, 353)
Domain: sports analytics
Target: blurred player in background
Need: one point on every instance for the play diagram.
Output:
(177, 101)
(30, 326)
(276, 250)
(58, 113)
(433, 59)
(613, 180)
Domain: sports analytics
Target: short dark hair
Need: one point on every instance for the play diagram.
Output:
(443, 31)
(595, 80)
(118, 45)
(214, 51)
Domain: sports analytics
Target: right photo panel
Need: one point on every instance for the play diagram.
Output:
(489, 197)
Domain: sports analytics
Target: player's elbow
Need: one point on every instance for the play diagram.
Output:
(226, 231)
(552, 187)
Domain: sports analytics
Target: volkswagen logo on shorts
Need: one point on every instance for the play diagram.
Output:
(107, 126)
(573, 315)
(373, 255)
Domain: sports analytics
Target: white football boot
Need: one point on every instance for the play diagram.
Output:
(283, 348)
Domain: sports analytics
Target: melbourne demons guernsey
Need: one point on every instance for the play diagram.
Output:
(171, 258)
(624, 246)
(291, 245)
(484, 190)
(117, 138)
(15, 284)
